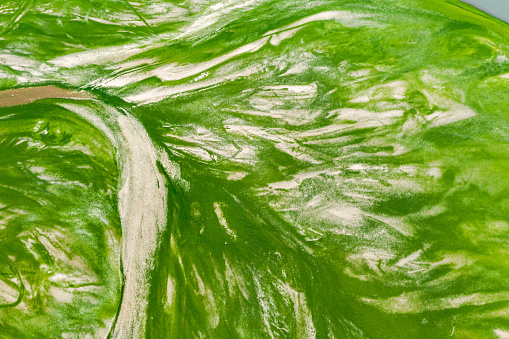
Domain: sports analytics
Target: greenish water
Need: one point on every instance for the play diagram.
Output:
(344, 168)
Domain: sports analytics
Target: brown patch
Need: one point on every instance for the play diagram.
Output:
(22, 96)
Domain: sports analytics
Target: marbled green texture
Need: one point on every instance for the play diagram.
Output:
(347, 179)
(60, 225)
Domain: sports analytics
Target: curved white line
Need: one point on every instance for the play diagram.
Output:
(142, 194)
(142, 208)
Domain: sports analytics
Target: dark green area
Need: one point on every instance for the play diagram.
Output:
(60, 228)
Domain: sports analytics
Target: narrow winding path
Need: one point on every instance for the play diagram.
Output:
(142, 196)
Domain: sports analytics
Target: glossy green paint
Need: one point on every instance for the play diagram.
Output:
(348, 179)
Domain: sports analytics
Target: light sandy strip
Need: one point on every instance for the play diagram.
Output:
(142, 197)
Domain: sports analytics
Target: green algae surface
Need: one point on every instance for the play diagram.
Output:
(344, 168)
